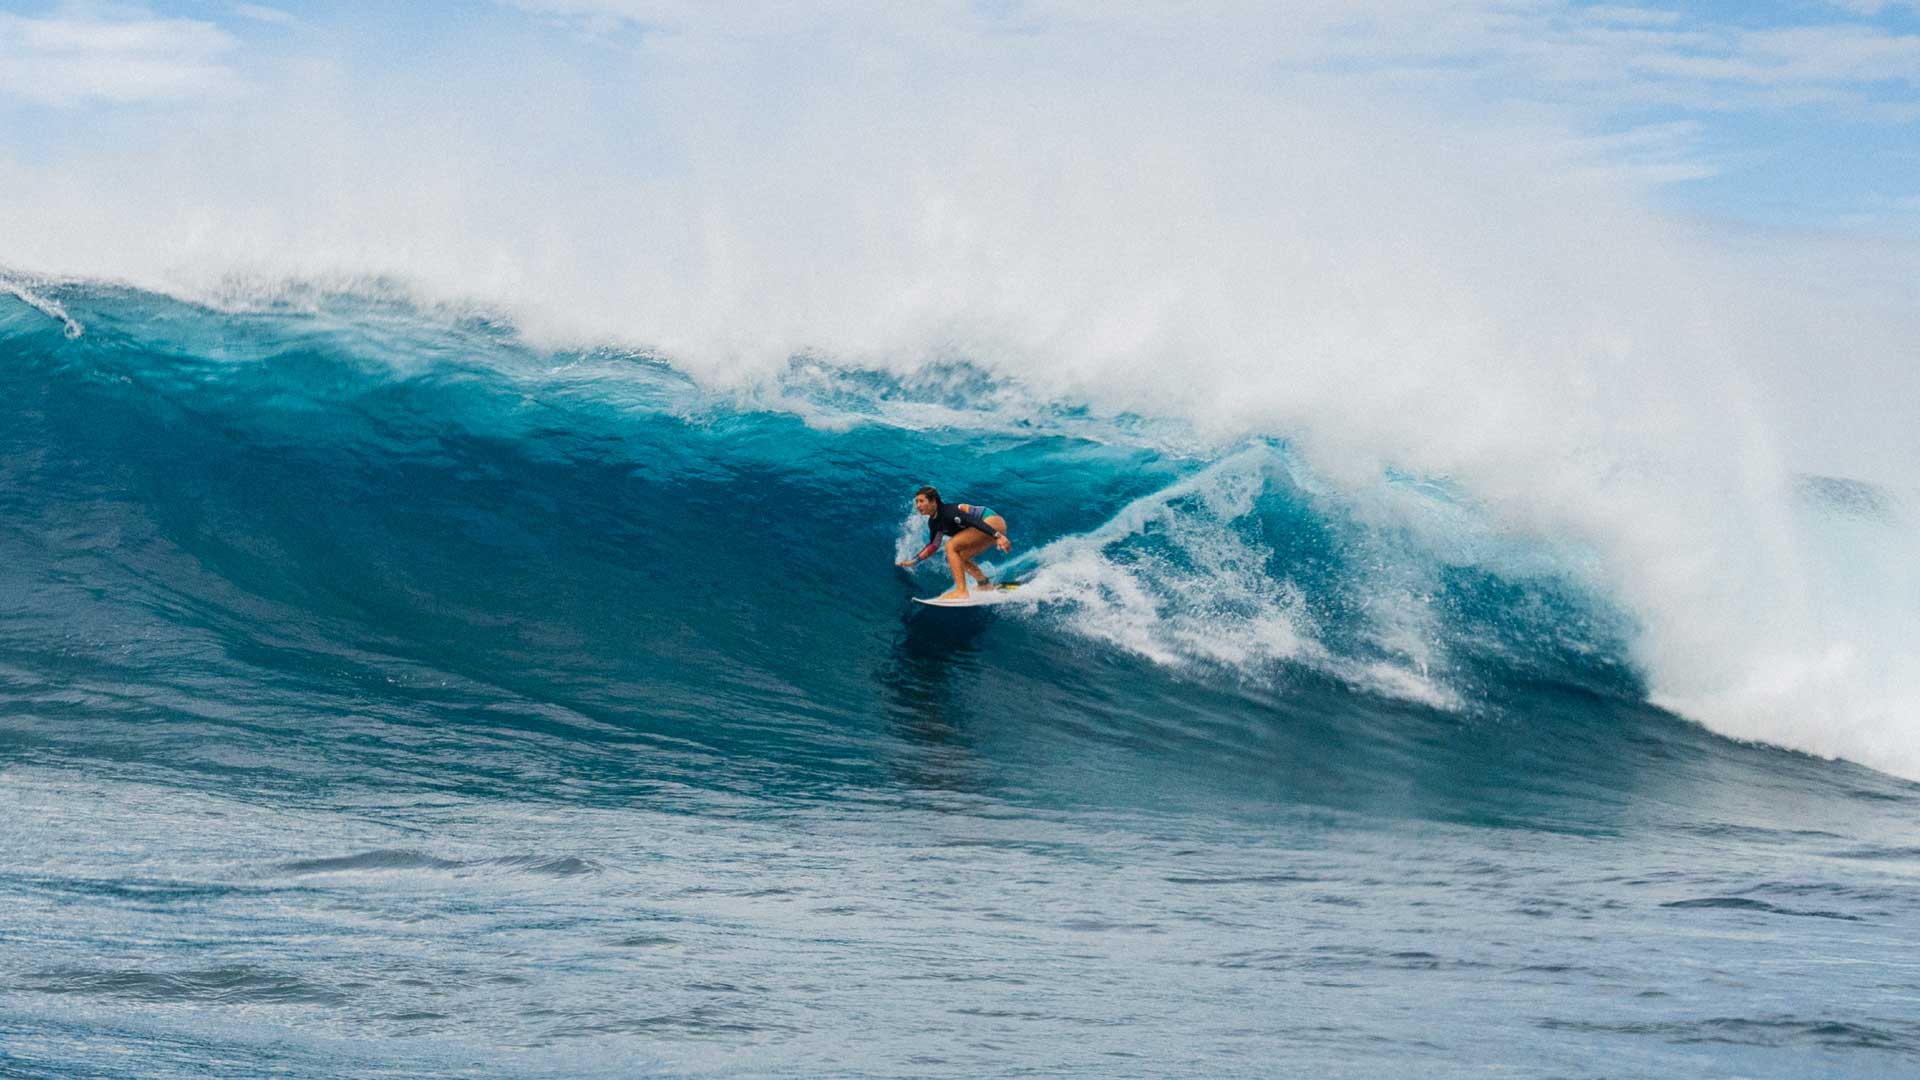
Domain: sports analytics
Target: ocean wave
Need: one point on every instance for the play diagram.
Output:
(366, 483)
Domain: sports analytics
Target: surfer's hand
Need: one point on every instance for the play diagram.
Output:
(908, 563)
(1003, 543)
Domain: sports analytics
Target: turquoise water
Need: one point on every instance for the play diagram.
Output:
(381, 695)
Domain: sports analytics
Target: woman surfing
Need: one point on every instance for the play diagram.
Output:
(970, 529)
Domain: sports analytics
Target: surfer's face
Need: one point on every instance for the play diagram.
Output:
(924, 505)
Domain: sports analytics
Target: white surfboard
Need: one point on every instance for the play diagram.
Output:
(979, 597)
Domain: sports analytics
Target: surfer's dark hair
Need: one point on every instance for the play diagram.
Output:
(929, 492)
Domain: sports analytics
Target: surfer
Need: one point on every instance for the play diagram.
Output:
(970, 528)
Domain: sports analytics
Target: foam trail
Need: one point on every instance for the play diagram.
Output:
(1206, 596)
(1136, 515)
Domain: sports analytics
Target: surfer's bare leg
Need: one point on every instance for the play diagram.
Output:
(960, 552)
(959, 567)
(1000, 525)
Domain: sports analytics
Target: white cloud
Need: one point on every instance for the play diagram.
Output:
(1811, 56)
(265, 14)
(1588, 58)
(1875, 7)
(1609, 55)
(1582, 64)
(1639, 16)
(76, 57)
(1649, 154)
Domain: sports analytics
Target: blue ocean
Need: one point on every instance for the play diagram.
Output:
(384, 693)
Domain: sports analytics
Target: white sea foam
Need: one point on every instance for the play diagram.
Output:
(1204, 598)
(1173, 232)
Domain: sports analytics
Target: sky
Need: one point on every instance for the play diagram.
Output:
(1800, 113)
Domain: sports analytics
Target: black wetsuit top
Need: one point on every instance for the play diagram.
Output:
(948, 518)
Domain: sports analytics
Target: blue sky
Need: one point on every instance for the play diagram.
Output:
(1801, 113)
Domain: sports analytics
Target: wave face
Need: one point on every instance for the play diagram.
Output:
(373, 625)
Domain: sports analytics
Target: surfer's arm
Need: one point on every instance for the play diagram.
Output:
(933, 545)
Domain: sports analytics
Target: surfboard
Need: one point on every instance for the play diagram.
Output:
(977, 598)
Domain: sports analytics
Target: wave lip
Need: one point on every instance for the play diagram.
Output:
(29, 292)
